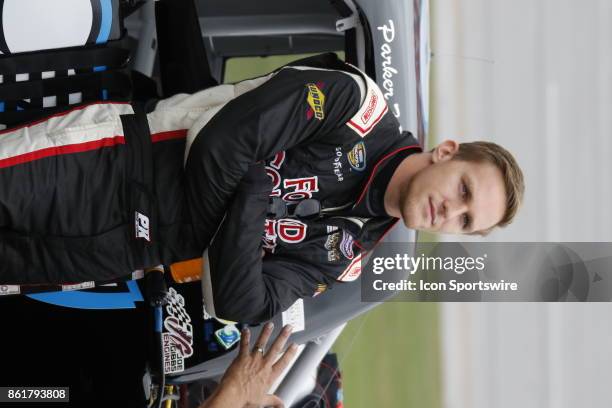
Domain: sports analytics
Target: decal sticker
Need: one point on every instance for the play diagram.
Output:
(346, 246)
(337, 164)
(78, 286)
(357, 157)
(316, 101)
(321, 287)
(178, 337)
(295, 316)
(142, 226)
(331, 228)
(9, 290)
(227, 336)
(94, 300)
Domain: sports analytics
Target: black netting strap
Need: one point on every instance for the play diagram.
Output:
(113, 55)
(117, 83)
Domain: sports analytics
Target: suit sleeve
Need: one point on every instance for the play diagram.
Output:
(273, 117)
(246, 287)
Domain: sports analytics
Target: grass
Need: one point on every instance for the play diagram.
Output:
(238, 69)
(389, 357)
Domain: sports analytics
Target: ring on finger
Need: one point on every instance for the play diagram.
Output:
(259, 350)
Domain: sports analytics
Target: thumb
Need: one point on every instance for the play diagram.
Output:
(272, 401)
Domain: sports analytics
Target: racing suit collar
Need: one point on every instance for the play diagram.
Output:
(371, 199)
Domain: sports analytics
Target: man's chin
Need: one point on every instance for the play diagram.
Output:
(412, 225)
(423, 227)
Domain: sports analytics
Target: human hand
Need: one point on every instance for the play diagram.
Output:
(252, 373)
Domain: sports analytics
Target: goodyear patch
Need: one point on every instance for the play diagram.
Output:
(316, 102)
(357, 157)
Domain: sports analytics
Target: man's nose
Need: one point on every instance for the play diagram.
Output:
(454, 208)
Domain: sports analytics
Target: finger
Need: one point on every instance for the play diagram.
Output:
(279, 343)
(264, 336)
(285, 359)
(244, 342)
(272, 401)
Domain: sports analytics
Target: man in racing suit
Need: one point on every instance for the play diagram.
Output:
(303, 155)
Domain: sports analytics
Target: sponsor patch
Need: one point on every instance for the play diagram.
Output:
(178, 334)
(332, 241)
(295, 316)
(228, 336)
(367, 114)
(333, 255)
(353, 271)
(371, 111)
(10, 290)
(174, 362)
(331, 228)
(337, 164)
(332, 244)
(316, 101)
(78, 286)
(321, 287)
(142, 226)
(357, 157)
(346, 246)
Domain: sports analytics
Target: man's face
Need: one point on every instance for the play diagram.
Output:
(454, 197)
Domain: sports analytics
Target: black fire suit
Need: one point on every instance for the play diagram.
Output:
(95, 199)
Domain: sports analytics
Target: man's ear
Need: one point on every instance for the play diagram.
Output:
(444, 151)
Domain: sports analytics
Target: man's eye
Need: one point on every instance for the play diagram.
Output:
(464, 190)
(466, 221)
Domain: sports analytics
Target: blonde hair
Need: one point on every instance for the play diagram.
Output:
(514, 183)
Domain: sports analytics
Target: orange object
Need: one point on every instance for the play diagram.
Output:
(187, 271)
